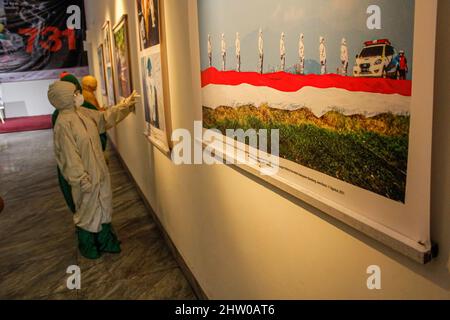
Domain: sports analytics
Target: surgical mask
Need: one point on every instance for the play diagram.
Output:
(78, 100)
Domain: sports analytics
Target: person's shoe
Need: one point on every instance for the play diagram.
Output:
(107, 240)
(86, 244)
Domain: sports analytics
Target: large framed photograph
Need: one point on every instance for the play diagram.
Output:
(149, 23)
(109, 69)
(342, 83)
(154, 75)
(122, 58)
(101, 63)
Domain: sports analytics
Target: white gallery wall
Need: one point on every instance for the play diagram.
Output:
(244, 239)
(26, 98)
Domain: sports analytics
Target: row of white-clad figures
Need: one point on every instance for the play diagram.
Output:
(301, 53)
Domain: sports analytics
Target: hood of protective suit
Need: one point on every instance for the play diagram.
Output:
(60, 95)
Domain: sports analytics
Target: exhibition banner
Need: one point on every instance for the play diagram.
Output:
(39, 39)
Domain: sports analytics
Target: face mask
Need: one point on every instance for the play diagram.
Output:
(78, 100)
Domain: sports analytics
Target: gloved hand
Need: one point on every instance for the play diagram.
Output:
(131, 100)
(86, 185)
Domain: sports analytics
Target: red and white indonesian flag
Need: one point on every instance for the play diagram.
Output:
(319, 93)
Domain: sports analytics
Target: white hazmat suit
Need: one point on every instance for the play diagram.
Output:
(238, 52)
(323, 56)
(224, 53)
(344, 57)
(79, 153)
(301, 53)
(261, 51)
(283, 52)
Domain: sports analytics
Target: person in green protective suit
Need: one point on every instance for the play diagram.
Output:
(81, 162)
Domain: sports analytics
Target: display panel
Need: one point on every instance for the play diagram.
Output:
(101, 62)
(107, 45)
(154, 75)
(340, 81)
(122, 58)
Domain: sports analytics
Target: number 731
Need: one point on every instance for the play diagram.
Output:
(53, 37)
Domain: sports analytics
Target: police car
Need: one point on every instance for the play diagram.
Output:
(378, 59)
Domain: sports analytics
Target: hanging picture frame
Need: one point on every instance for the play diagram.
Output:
(121, 60)
(109, 68)
(101, 63)
(154, 74)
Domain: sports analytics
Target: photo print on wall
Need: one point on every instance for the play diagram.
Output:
(109, 70)
(122, 58)
(149, 26)
(101, 62)
(336, 78)
(153, 73)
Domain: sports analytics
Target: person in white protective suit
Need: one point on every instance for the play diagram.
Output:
(261, 51)
(344, 57)
(224, 52)
(301, 53)
(238, 52)
(209, 51)
(79, 155)
(283, 52)
(323, 56)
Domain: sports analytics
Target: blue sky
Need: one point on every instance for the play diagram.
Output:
(333, 19)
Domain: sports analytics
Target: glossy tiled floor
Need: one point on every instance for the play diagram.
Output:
(38, 243)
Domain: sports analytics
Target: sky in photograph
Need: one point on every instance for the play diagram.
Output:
(332, 19)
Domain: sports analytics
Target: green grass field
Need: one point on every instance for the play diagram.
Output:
(371, 153)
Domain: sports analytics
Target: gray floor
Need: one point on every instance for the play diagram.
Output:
(38, 243)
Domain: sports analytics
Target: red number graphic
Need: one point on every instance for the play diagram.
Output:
(53, 36)
(53, 42)
(71, 38)
(31, 33)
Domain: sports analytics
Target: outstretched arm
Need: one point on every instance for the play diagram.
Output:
(114, 115)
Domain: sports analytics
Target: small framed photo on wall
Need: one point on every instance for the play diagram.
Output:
(122, 59)
(108, 65)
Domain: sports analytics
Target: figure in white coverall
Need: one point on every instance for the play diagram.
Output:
(238, 52)
(344, 57)
(261, 51)
(323, 56)
(283, 52)
(153, 13)
(79, 155)
(224, 52)
(209, 51)
(301, 53)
